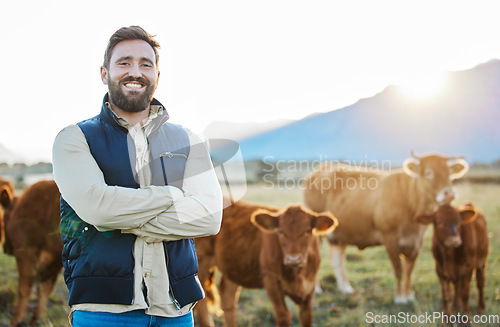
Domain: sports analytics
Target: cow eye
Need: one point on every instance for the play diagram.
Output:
(429, 173)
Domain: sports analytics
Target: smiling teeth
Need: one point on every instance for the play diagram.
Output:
(133, 85)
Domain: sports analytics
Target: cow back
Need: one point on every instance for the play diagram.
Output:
(475, 243)
(34, 220)
(481, 232)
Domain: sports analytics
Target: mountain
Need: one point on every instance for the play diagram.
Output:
(8, 156)
(463, 120)
(238, 131)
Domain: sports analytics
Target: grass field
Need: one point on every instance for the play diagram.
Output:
(369, 271)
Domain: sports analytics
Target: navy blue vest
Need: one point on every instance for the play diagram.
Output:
(98, 266)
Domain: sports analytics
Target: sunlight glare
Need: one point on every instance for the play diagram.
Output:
(424, 86)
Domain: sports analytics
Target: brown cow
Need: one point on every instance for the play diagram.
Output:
(460, 247)
(32, 236)
(260, 246)
(377, 208)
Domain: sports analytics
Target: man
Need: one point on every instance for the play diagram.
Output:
(134, 189)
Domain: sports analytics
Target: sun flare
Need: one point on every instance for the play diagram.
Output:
(424, 86)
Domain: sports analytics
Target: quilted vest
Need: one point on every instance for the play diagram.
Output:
(98, 266)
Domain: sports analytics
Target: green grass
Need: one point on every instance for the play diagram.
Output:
(58, 309)
(370, 273)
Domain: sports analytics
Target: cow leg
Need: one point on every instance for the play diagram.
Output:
(465, 291)
(458, 295)
(203, 316)
(50, 267)
(480, 282)
(207, 278)
(409, 264)
(44, 289)
(25, 260)
(445, 295)
(392, 249)
(282, 315)
(305, 311)
(337, 257)
(229, 293)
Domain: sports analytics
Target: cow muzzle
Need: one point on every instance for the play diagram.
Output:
(294, 260)
(446, 195)
(453, 241)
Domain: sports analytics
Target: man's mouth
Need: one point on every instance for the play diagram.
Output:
(134, 85)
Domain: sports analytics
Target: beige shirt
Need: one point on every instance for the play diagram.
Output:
(153, 213)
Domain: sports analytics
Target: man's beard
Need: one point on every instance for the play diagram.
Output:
(135, 101)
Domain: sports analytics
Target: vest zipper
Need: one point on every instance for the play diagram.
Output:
(169, 154)
(177, 304)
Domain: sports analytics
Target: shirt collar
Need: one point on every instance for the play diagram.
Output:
(155, 110)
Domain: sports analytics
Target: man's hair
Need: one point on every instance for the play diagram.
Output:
(129, 33)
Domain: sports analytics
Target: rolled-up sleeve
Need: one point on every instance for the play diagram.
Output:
(82, 185)
(155, 213)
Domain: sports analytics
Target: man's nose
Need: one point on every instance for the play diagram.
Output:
(134, 71)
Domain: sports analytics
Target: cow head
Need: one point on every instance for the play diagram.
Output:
(435, 174)
(446, 221)
(296, 227)
(6, 200)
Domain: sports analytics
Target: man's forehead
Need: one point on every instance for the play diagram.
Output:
(133, 49)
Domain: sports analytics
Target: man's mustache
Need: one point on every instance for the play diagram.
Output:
(135, 79)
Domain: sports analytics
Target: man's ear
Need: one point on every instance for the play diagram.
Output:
(104, 75)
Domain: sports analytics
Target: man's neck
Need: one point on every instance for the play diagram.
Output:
(136, 119)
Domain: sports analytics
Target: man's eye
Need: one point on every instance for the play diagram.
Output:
(122, 63)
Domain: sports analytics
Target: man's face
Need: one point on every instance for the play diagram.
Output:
(132, 76)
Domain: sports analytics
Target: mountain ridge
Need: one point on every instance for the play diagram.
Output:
(388, 126)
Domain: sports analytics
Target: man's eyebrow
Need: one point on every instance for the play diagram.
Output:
(147, 60)
(125, 58)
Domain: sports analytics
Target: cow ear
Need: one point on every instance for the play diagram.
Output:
(458, 168)
(467, 212)
(6, 196)
(468, 216)
(265, 220)
(425, 219)
(323, 223)
(411, 167)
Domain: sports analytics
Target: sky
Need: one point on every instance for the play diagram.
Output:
(231, 60)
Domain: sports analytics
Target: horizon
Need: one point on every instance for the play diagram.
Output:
(236, 132)
(264, 125)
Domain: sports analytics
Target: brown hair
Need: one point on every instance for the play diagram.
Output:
(129, 33)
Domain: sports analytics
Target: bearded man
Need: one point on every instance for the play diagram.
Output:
(135, 189)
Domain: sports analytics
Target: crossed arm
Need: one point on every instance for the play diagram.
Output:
(156, 213)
